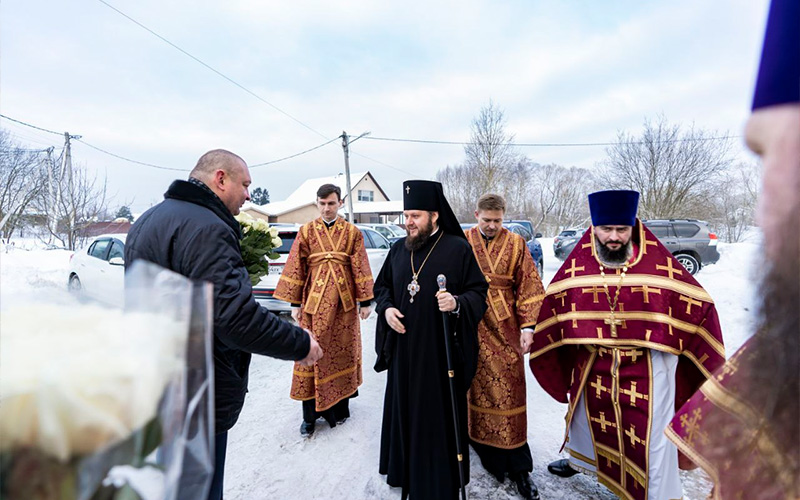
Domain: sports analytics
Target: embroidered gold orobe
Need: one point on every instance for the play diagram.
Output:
(413, 287)
(328, 272)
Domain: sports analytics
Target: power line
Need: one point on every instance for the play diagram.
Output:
(231, 80)
(384, 164)
(130, 160)
(557, 144)
(137, 162)
(295, 155)
(31, 126)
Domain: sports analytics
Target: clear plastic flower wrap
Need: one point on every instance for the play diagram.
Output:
(86, 389)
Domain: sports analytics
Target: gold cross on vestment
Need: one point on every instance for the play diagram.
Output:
(574, 269)
(599, 387)
(595, 291)
(646, 291)
(603, 422)
(320, 283)
(613, 323)
(692, 427)
(631, 393)
(668, 268)
(631, 433)
(646, 242)
(634, 354)
(561, 296)
(689, 303)
(574, 320)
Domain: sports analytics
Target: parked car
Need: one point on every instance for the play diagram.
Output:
(689, 240)
(388, 231)
(392, 232)
(377, 249)
(98, 271)
(532, 241)
(565, 242)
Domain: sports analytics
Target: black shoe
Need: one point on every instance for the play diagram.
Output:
(340, 421)
(561, 468)
(307, 428)
(525, 485)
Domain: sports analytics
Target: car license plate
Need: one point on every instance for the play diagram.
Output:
(276, 270)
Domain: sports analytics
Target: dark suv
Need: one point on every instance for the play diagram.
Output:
(689, 240)
(565, 242)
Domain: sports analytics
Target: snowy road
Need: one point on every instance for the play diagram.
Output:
(267, 458)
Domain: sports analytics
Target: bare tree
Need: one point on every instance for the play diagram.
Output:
(674, 169)
(491, 149)
(20, 182)
(81, 199)
(735, 201)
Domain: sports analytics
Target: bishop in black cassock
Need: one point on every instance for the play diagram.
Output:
(418, 449)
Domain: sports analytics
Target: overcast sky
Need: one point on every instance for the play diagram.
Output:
(563, 71)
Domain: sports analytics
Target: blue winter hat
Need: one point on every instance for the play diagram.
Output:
(614, 208)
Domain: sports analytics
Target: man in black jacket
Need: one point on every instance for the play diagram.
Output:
(193, 232)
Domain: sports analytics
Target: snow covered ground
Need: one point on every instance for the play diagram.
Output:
(267, 458)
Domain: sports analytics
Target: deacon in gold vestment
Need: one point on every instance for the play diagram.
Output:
(498, 418)
(328, 281)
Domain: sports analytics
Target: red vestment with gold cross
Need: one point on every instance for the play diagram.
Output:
(581, 348)
(497, 406)
(328, 272)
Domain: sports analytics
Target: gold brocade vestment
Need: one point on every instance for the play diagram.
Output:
(497, 406)
(328, 273)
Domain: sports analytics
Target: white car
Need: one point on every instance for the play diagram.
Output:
(377, 249)
(388, 231)
(98, 271)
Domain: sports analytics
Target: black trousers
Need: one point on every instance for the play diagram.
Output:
(335, 413)
(499, 462)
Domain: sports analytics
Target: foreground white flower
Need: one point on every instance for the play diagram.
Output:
(76, 378)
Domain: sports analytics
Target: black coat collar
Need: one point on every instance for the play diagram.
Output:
(188, 191)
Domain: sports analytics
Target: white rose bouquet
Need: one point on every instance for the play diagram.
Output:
(258, 244)
(84, 389)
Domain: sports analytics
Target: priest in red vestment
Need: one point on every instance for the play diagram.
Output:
(743, 426)
(624, 336)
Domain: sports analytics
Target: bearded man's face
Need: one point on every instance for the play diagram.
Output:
(419, 226)
(613, 244)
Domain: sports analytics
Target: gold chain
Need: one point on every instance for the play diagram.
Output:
(613, 305)
(415, 273)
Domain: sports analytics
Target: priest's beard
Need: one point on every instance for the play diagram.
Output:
(613, 258)
(771, 372)
(424, 232)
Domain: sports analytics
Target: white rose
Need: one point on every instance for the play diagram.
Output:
(276, 242)
(76, 378)
(244, 218)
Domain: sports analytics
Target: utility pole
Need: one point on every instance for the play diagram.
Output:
(346, 147)
(51, 198)
(66, 165)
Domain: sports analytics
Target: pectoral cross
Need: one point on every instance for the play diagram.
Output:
(613, 323)
(413, 288)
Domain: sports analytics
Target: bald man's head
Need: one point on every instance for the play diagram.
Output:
(226, 174)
